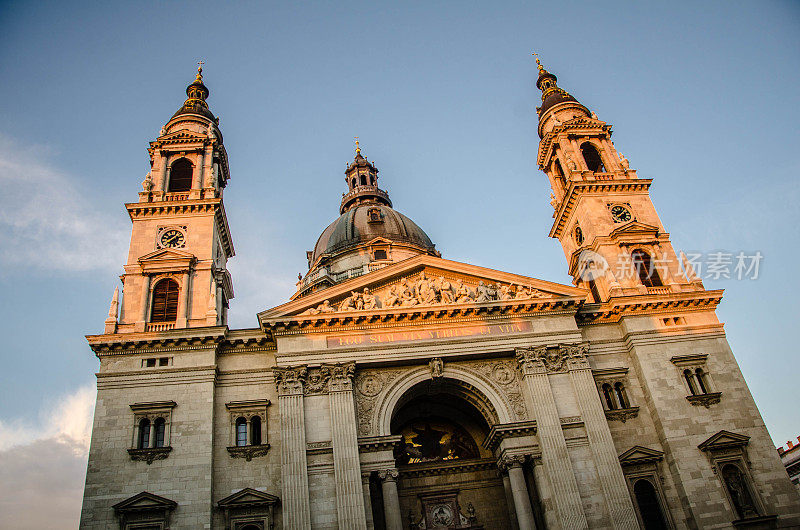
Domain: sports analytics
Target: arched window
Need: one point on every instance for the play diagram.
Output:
(701, 380)
(255, 431)
(363, 180)
(644, 268)
(592, 158)
(649, 507)
(736, 484)
(608, 397)
(622, 399)
(241, 432)
(353, 183)
(165, 301)
(144, 434)
(180, 175)
(160, 429)
(687, 374)
(372, 180)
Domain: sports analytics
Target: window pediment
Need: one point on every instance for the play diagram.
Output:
(724, 440)
(640, 455)
(248, 497)
(166, 260)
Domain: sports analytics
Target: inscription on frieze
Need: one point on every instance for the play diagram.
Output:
(418, 335)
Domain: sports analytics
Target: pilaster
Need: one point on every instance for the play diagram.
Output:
(609, 471)
(344, 441)
(391, 499)
(294, 466)
(555, 458)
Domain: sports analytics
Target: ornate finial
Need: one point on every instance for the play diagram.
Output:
(200, 70)
(358, 149)
(538, 63)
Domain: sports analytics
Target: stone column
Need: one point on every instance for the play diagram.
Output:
(391, 500)
(512, 513)
(294, 466)
(151, 442)
(609, 471)
(344, 441)
(183, 301)
(145, 298)
(555, 458)
(519, 491)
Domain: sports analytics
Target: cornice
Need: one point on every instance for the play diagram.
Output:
(617, 307)
(592, 186)
(177, 339)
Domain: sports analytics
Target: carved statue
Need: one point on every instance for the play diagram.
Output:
(407, 298)
(445, 290)
(556, 121)
(211, 131)
(162, 131)
(393, 297)
(463, 293)
(553, 201)
(348, 304)
(594, 116)
(482, 292)
(624, 161)
(437, 367)
(369, 300)
(324, 307)
(491, 291)
(147, 183)
(571, 163)
(505, 293)
(424, 290)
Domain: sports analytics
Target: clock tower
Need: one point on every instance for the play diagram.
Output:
(176, 274)
(612, 236)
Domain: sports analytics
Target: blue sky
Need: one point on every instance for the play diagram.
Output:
(703, 98)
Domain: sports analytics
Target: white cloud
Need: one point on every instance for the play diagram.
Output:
(46, 222)
(43, 464)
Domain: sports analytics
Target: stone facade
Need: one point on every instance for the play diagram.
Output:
(422, 392)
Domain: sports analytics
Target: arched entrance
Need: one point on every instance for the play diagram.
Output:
(446, 476)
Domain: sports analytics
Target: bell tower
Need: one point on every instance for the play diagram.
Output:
(612, 237)
(176, 275)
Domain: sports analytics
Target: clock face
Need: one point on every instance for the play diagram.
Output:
(172, 238)
(620, 214)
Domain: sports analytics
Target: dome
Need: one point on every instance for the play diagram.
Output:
(358, 226)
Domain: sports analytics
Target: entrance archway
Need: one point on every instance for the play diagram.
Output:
(443, 423)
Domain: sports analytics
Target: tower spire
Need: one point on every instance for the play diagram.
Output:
(196, 93)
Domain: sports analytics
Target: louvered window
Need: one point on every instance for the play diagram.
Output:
(165, 301)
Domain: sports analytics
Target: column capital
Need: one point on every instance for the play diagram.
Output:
(289, 380)
(341, 376)
(507, 462)
(553, 359)
(388, 474)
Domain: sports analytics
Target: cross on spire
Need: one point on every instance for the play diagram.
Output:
(200, 69)
(358, 149)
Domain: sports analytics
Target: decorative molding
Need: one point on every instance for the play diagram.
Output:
(500, 432)
(622, 415)
(689, 360)
(368, 444)
(617, 307)
(601, 374)
(153, 406)
(706, 400)
(248, 452)
(317, 381)
(370, 385)
(290, 380)
(315, 448)
(510, 461)
(149, 455)
(638, 455)
(248, 405)
(341, 376)
(553, 359)
(447, 467)
(390, 475)
(724, 440)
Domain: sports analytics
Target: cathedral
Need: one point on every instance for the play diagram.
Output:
(397, 389)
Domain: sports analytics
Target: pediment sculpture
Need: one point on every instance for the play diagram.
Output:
(424, 291)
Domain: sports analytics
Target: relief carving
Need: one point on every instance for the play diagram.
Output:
(553, 359)
(424, 291)
(369, 386)
(317, 381)
(290, 381)
(341, 376)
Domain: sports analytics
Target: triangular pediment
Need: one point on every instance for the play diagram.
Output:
(248, 497)
(182, 135)
(634, 228)
(144, 501)
(640, 455)
(724, 440)
(166, 260)
(166, 254)
(424, 281)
